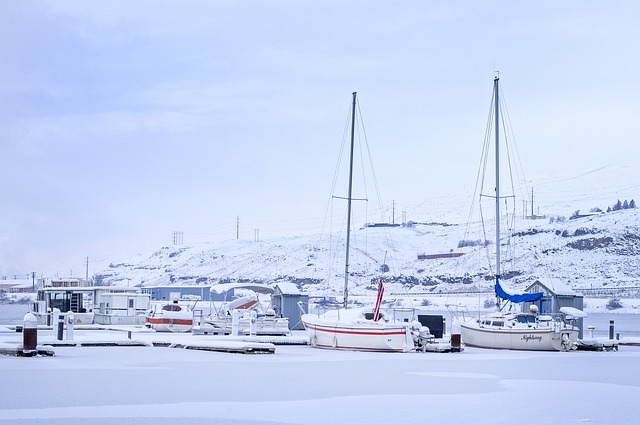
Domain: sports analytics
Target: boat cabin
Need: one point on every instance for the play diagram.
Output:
(120, 306)
(89, 305)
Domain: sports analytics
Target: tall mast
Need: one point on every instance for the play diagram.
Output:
(497, 131)
(346, 260)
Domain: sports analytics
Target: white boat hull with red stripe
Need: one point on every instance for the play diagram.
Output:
(350, 330)
(170, 317)
(167, 324)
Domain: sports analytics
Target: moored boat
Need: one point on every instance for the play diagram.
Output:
(169, 317)
(353, 330)
(516, 330)
(247, 311)
(357, 329)
(519, 331)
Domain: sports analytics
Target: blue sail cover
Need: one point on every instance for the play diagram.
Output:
(516, 298)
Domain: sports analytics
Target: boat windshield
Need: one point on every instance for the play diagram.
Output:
(171, 307)
(526, 318)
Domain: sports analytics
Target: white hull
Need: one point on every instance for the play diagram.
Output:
(362, 335)
(170, 317)
(169, 325)
(112, 319)
(536, 339)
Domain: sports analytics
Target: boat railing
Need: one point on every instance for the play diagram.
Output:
(556, 320)
(460, 312)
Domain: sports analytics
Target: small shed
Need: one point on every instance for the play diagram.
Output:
(284, 301)
(556, 294)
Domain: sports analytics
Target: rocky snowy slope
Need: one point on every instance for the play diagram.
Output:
(594, 251)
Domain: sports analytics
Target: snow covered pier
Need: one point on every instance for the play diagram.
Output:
(96, 343)
(591, 343)
(18, 350)
(48, 340)
(598, 344)
(229, 347)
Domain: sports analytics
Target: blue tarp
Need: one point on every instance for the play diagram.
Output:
(516, 298)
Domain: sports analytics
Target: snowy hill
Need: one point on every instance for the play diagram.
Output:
(595, 251)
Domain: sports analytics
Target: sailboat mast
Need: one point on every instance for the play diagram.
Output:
(349, 196)
(497, 131)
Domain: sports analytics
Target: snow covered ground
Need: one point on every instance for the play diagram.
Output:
(303, 385)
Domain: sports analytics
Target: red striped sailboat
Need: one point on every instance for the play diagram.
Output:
(357, 329)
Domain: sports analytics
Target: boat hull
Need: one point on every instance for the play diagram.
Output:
(358, 336)
(167, 324)
(546, 339)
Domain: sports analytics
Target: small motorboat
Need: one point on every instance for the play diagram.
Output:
(169, 317)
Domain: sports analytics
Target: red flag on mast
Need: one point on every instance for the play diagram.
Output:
(376, 311)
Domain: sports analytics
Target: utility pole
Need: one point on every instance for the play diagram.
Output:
(393, 212)
(532, 202)
(238, 227)
(87, 269)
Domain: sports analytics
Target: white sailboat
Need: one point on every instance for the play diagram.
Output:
(516, 330)
(356, 329)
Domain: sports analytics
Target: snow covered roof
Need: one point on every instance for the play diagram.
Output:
(551, 285)
(287, 288)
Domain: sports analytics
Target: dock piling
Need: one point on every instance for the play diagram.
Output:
(70, 320)
(29, 333)
(611, 329)
(60, 327)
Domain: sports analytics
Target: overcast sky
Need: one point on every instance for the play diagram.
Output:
(123, 122)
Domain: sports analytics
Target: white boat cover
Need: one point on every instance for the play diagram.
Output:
(255, 287)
